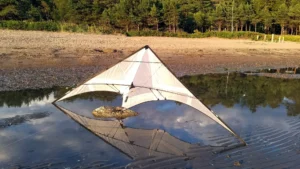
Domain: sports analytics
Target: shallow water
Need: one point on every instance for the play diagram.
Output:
(41, 136)
(288, 70)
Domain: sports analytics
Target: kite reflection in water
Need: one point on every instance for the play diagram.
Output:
(147, 147)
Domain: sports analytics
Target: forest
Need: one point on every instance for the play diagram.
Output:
(265, 16)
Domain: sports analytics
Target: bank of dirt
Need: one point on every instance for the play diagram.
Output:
(32, 59)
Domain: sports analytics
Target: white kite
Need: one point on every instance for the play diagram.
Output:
(143, 77)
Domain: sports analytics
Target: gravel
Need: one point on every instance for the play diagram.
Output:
(36, 78)
(41, 78)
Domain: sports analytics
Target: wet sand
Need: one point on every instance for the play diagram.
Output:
(32, 59)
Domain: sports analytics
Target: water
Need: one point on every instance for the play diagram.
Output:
(289, 70)
(34, 133)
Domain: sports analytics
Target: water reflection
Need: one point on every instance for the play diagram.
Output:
(134, 142)
(56, 138)
(24, 97)
(178, 120)
(289, 70)
(6, 122)
(248, 91)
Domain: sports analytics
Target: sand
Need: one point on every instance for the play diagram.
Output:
(35, 50)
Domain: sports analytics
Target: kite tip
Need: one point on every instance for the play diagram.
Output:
(147, 47)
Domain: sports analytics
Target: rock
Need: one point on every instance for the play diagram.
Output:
(237, 164)
(113, 112)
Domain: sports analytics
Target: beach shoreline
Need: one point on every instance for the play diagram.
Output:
(35, 59)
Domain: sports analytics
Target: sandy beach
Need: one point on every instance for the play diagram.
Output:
(28, 57)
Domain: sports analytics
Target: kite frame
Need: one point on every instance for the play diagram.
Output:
(147, 47)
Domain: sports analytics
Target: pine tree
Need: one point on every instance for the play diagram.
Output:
(200, 19)
(8, 9)
(294, 13)
(282, 16)
(220, 16)
(154, 16)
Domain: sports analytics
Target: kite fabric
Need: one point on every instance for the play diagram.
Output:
(140, 78)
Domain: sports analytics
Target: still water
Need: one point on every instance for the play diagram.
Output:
(36, 134)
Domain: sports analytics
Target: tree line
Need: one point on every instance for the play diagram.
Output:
(265, 16)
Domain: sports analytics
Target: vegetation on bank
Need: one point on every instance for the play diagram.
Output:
(224, 34)
(50, 26)
(68, 27)
(264, 16)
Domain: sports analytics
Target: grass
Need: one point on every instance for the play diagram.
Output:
(51, 26)
(224, 34)
(70, 27)
(20, 25)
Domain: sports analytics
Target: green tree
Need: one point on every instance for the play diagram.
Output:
(8, 9)
(267, 19)
(249, 15)
(123, 14)
(257, 13)
(219, 16)
(294, 13)
(46, 10)
(242, 15)
(34, 14)
(105, 17)
(154, 16)
(63, 11)
(282, 16)
(171, 14)
(211, 20)
(141, 13)
(200, 19)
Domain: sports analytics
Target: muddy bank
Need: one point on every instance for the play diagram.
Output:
(36, 78)
(31, 59)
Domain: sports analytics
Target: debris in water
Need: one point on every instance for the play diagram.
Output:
(237, 164)
(113, 112)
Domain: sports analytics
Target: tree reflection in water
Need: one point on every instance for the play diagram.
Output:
(248, 91)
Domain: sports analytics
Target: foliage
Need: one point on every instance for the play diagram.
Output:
(20, 25)
(224, 34)
(264, 16)
(50, 26)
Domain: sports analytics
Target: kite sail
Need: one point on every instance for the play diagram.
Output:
(143, 77)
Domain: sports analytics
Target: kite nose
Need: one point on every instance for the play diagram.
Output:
(147, 47)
